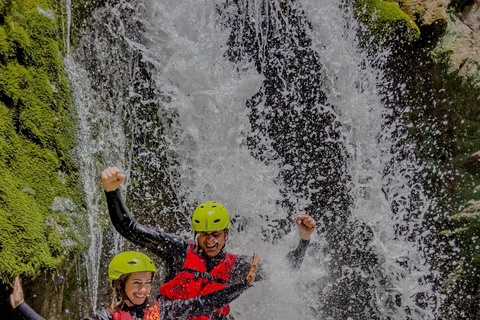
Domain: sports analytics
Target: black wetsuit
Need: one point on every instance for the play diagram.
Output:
(169, 309)
(173, 250)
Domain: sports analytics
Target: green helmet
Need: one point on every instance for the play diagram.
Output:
(129, 262)
(210, 216)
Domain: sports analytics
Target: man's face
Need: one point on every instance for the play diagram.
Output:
(212, 242)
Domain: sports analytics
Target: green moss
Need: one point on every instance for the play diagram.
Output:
(5, 48)
(385, 19)
(23, 246)
(40, 215)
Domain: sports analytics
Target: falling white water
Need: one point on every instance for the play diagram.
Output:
(95, 140)
(186, 45)
(210, 99)
(354, 91)
(68, 9)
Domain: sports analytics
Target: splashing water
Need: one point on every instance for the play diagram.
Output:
(273, 110)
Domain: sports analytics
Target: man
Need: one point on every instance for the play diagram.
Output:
(198, 267)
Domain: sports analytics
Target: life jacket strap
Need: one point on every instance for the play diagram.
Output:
(205, 275)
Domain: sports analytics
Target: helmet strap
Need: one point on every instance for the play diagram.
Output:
(127, 298)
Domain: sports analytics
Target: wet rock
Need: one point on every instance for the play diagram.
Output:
(472, 163)
(426, 12)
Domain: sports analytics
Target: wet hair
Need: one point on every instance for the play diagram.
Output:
(119, 295)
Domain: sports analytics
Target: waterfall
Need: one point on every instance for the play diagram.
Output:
(93, 140)
(68, 8)
(272, 109)
(387, 198)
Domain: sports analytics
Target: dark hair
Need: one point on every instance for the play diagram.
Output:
(119, 295)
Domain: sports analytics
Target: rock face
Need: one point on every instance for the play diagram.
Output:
(426, 12)
(461, 39)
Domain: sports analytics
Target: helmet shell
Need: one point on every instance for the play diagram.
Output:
(210, 216)
(129, 262)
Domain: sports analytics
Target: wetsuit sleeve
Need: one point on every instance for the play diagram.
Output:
(27, 313)
(167, 247)
(295, 257)
(184, 309)
(102, 314)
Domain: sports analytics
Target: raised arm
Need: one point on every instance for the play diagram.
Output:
(306, 225)
(167, 247)
(17, 302)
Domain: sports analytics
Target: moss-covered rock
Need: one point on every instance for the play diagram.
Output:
(385, 19)
(40, 220)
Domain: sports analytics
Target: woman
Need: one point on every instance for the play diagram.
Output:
(131, 275)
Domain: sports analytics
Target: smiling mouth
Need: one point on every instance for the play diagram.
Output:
(210, 246)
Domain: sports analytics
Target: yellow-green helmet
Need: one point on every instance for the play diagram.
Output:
(129, 262)
(210, 216)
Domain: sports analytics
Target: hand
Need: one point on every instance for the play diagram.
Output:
(17, 296)
(253, 270)
(306, 225)
(112, 178)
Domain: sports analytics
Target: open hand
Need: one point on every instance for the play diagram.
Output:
(253, 270)
(17, 296)
(112, 178)
(306, 224)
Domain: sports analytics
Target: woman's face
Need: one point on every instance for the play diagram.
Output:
(138, 287)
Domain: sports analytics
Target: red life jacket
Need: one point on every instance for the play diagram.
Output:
(193, 280)
(152, 313)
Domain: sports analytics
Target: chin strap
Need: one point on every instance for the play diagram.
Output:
(126, 298)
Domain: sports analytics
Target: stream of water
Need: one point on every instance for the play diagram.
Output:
(272, 109)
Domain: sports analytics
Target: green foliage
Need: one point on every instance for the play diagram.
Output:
(39, 200)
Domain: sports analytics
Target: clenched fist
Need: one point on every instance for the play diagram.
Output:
(112, 178)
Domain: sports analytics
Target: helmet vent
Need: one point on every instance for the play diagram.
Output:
(197, 221)
(132, 262)
(216, 221)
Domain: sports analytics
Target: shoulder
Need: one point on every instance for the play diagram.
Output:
(101, 314)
